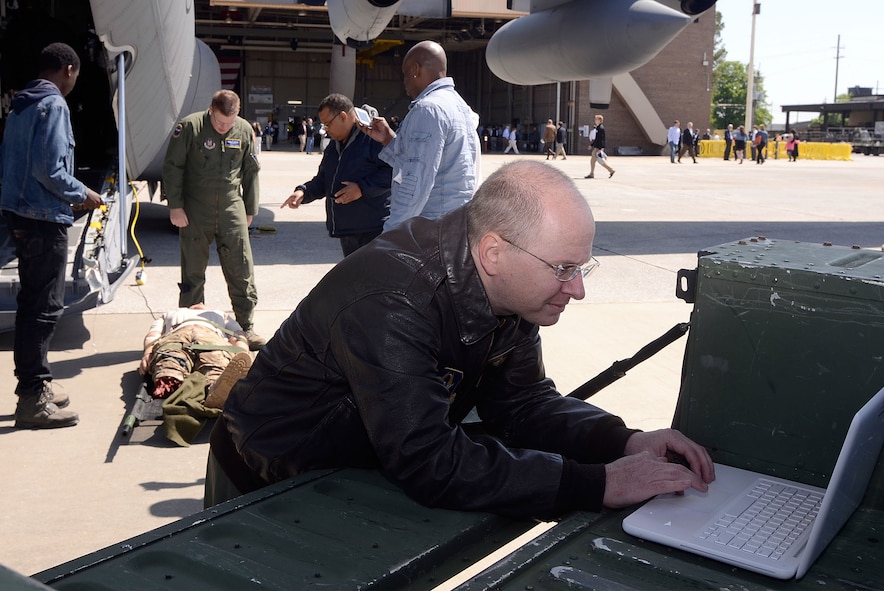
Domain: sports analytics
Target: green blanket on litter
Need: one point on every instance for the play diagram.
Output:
(184, 413)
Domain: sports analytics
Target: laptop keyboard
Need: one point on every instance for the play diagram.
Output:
(767, 521)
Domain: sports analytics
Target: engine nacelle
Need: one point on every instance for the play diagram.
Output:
(689, 7)
(358, 22)
(582, 39)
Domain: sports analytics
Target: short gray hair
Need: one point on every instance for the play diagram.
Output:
(509, 202)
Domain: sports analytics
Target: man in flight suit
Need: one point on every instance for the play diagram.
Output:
(210, 178)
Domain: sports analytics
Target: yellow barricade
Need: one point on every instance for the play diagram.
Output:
(777, 149)
(712, 149)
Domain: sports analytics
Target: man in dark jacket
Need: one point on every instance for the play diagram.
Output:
(688, 142)
(597, 145)
(728, 140)
(561, 134)
(381, 363)
(355, 181)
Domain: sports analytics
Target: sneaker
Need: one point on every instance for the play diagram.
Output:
(236, 369)
(589, 176)
(254, 339)
(612, 173)
(37, 411)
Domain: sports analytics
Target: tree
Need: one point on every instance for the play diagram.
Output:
(719, 53)
(728, 94)
(729, 84)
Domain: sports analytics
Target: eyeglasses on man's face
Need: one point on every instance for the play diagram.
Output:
(565, 272)
(222, 124)
(331, 119)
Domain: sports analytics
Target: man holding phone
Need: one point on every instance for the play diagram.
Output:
(435, 152)
(362, 116)
(352, 177)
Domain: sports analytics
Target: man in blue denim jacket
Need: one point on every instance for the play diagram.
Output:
(435, 152)
(38, 193)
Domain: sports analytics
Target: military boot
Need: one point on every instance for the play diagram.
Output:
(37, 411)
(254, 340)
(236, 369)
(60, 399)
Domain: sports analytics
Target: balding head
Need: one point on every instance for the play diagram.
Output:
(530, 233)
(429, 55)
(518, 197)
(423, 64)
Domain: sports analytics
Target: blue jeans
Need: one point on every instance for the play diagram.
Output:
(42, 250)
(309, 141)
(673, 150)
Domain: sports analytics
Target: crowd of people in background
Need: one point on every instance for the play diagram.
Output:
(514, 138)
(736, 142)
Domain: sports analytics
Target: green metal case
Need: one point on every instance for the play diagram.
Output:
(786, 344)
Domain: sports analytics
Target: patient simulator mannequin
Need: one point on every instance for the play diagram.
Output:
(195, 340)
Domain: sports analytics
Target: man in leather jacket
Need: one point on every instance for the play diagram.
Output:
(381, 363)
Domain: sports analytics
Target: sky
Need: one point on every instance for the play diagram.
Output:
(796, 45)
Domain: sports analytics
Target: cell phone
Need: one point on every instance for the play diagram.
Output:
(363, 116)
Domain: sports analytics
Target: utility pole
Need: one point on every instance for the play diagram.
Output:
(750, 71)
(837, 60)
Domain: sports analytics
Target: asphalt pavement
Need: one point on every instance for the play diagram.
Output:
(71, 491)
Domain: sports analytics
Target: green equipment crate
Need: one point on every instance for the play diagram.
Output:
(786, 344)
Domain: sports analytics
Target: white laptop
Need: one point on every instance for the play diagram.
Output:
(727, 524)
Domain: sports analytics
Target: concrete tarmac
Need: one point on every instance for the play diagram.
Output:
(71, 491)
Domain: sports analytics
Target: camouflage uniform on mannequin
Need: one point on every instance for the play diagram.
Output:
(210, 178)
(194, 340)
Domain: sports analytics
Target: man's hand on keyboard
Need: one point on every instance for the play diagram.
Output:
(645, 472)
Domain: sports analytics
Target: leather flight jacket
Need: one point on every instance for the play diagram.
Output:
(379, 366)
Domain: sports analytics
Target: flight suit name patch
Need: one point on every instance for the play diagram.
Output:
(233, 143)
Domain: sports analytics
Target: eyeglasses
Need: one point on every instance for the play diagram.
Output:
(331, 120)
(563, 272)
(221, 122)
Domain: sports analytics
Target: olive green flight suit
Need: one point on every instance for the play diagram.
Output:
(215, 179)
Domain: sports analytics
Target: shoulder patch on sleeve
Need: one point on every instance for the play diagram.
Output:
(178, 129)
